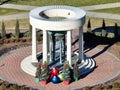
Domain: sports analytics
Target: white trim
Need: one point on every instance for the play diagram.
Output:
(69, 23)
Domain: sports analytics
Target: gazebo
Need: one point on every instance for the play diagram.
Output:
(57, 23)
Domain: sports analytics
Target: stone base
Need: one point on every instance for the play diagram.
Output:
(85, 67)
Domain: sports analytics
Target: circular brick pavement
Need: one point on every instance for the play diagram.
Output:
(107, 68)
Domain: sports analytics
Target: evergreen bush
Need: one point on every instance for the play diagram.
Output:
(116, 34)
(103, 32)
(108, 87)
(17, 30)
(86, 88)
(116, 85)
(3, 31)
(89, 26)
(4, 85)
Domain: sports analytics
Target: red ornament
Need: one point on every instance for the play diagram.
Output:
(44, 65)
(55, 72)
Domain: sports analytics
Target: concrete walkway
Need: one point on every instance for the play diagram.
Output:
(108, 67)
(90, 14)
(20, 7)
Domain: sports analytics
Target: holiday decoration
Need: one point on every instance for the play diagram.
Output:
(66, 82)
(55, 71)
(37, 79)
(44, 82)
(61, 76)
(38, 73)
(55, 79)
(44, 72)
(76, 72)
(66, 73)
(54, 75)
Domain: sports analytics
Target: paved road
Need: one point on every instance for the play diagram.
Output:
(20, 7)
(90, 14)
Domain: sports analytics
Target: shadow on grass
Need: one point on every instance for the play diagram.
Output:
(4, 1)
(91, 40)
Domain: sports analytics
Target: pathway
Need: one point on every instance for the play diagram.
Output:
(90, 14)
(108, 67)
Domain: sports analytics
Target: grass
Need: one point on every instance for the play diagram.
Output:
(95, 23)
(62, 2)
(5, 11)
(10, 25)
(110, 10)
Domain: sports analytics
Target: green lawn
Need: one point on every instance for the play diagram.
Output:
(4, 11)
(62, 2)
(110, 10)
(95, 23)
(10, 25)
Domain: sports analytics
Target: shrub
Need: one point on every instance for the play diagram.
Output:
(28, 39)
(97, 88)
(86, 88)
(23, 40)
(6, 41)
(116, 31)
(4, 85)
(3, 31)
(110, 35)
(1, 41)
(14, 87)
(89, 26)
(108, 87)
(12, 40)
(116, 85)
(104, 32)
(17, 30)
(97, 33)
(17, 40)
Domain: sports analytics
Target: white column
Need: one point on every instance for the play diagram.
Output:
(81, 44)
(34, 46)
(45, 46)
(50, 51)
(60, 51)
(69, 48)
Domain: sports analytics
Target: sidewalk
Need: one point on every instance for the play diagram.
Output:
(90, 14)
